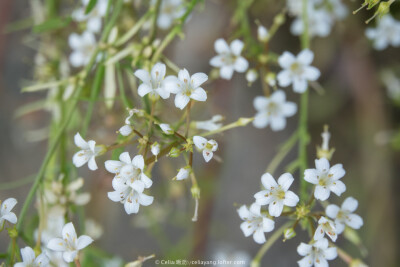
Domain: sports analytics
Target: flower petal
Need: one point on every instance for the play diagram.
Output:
(350, 204)
(79, 142)
(237, 47)
(338, 187)
(241, 64)
(221, 46)
(92, 164)
(83, 241)
(285, 181)
(143, 75)
(322, 164)
(181, 100)
(199, 94)
(259, 236)
(138, 162)
(354, 221)
(268, 181)
(113, 166)
(305, 57)
(145, 200)
(28, 255)
(226, 72)
(68, 231)
(286, 60)
(321, 193)
(332, 211)
(69, 256)
(275, 208)
(144, 89)
(8, 205)
(291, 199)
(200, 142)
(56, 244)
(198, 79)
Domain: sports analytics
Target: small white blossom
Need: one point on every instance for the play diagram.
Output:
(320, 23)
(276, 195)
(94, 17)
(87, 154)
(153, 82)
(255, 223)
(229, 58)
(208, 147)
(209, 125)
(82, 47)
(297, 70)
(325, 226)
(326, 179)
(127, 129)
(316, 254)
(262, 33)
(183, 173)
(344, 215)
(69, 244)
(251, 76)
(169, 11)
(155, 149)
(386, 33)
(63, 195)
(166, 128)
(129, 182)
(186, 87)
(5, 212)
(273, 111)
(30, 260)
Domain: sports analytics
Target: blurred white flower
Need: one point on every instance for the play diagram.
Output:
(319, 23)
(93, 19)
(316, 254)
(93, 229)
(186, 87)
(166, 128)
(229, 58)
(129, 182)
(255, 223)
(262, 33)
(183, 173)
(251, 75)
(153, 82)
(209, 125)
(169, 11)
(30, 260)
(127, 129)
(325, 226)
(326, 179)
(5, 212)
(344, 215)
(297, 70)
(392, 84)
(88, 152)
(208, 147)
(273, 111)
(276, 195)
(63, 195)
(155, 149)
(69, 244)
(82, 47)
(52, 224)
(387, 32)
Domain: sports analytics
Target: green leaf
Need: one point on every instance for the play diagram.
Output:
(52, 24)
(90, 6)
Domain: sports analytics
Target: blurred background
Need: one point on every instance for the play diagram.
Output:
(362, 119)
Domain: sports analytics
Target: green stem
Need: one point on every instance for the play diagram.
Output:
(271, 240)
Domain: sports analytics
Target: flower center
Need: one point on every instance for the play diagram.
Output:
(296, 68)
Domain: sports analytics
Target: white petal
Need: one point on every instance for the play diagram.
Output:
(28, 255)
(330, 253)
(261, 120)
(338, 187)
(243, 212)
(321, 262)
(255, 209)
(198, 79)
(322, 164)
(354, 221)
(94, 24)
(226, 72)
(332, 211)
(8, 205)
(241, 64)
(171, 84)
(79, 142)
(260, 103)
(114, 196)
(286, 60)
(145, 200)
(275, 208)
(217, 61)
(247, 228)
(56, 244)
(299, 85)
(42, 260)
(68, 231)
(125, 130)
(69, 256)
(163, 93)
(207, 155)
(350, 204)
(268, 225)
(92, 164)
(310, 175)
(11, 217)
(304, 249)
(306, 261)
(146, 180)
(277, 123)
(143, 75)
(237, 47)
(138, 186)
(158, 71)
(259, 236)
(305, 57)
(319, 233)
(291, 199)
(263, 197)
(77, 59)
(113, 166)
(144, 89)
(278, 96)
(321, 193)
(199, 94)
(83, 241)
(289, 109)
(80, 158)
(285, 181)
(131, 207)
(199, 141)
(284, 78)
(311, 73)
(138, 162)
(268, 181)
(339, 227)
(221, 46)
(125, 158)
(337, 171)
(181, 101)
(184, 75)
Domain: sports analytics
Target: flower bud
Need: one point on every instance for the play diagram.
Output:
(251, 76)
(262, 34)
(289, 233)
(174, 152)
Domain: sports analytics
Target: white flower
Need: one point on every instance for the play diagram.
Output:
(207, 146)
(183, 173)
(229, 59)
(83, 47)
(316, 254)
(386, 33)
(5, 212)
(262, 33)
(69, 244)
(273, 111)
(326, 179)
(186, 87)
(255, 223)
(127, 129)
(276, 195)
(169, 11)
(166, 128)
(129, 182)
(320, 23)
(325, 226)
(63, 195)
(30, 260)
(297, 70)
(344, 215)
(155, 149)
(88, 152)
(153, 83)
(93, 229)
(251, 76)
(93, 19)
(52, 225)
(209, 125)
